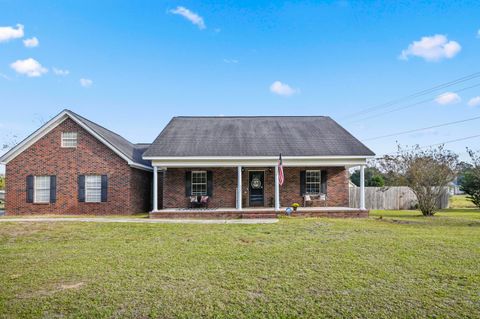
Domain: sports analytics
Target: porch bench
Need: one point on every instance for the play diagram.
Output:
(315, 200)
(199, 201)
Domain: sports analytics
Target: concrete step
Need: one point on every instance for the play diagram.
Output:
(258, 215)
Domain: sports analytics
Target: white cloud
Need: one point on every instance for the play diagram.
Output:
(190, 16)
(448, 98)
(284, 89)
(474, 101)
(432, 49)
(86, 83)
(60, 72)
(31, 43)
(29, 67)
(478, 33)
(228, 61)
(3, 76)
(9, 33)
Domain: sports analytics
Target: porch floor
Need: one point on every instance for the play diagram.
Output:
(258, 212)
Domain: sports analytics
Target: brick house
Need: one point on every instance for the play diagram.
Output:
(202, 167)
(230, 165)
(74, 166)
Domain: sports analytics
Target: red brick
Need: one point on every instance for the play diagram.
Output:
(128, 188)
(225, 184)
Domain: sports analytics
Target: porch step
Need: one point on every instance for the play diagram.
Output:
(258, 215)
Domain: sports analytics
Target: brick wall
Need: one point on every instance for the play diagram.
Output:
(128, 188)
(225, 184)
(224, 187)
(140, 191)
(337, 186)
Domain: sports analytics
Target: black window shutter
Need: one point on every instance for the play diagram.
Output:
(104, 188)
(323, 185)
(302, 183)
(81, 188)
(209, 183)
(30, 189)
(53, 189)
(188, 183)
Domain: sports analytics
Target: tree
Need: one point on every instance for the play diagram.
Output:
(373, 177)
(470, 182)
(426, 172)
(2, 182)
(10, 141)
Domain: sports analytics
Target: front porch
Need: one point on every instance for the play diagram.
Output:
(251, 188)
(260, 212)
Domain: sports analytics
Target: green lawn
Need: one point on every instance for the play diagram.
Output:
(460, 201)
(399, 265)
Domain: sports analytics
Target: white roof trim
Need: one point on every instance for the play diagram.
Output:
(202, 158)
(261, 162)
(49, 126)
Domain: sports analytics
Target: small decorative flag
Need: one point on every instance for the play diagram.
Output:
(281, 178)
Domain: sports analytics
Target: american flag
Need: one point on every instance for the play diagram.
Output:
(281, 178)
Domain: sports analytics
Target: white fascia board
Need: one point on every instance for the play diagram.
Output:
(32, 138)
(101, 139)
(49, 126)
(250, 157)
(261, 162)
(142, 167)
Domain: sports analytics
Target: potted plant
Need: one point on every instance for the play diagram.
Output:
(295, 206)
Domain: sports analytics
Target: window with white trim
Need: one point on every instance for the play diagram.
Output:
(41, 186)
(93, 188)
(199, 183)
(312, 182)
(69, 139)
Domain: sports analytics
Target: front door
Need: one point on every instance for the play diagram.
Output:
(255, 187)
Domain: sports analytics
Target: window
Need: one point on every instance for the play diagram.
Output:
(312, 180)
(41, 189)
(93, 188)
(199, 183)
(69, 139)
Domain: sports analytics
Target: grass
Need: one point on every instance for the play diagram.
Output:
(460, 201)
(394, 264)
(139, 215)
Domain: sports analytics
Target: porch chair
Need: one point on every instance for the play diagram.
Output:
(315, 200)
(199, 201)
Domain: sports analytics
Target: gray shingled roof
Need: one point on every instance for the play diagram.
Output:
(256, 136)
(132, 151)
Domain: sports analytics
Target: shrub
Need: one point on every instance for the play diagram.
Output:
(470, 182)
(426, 172)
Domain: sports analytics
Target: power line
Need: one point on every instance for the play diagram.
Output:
(410, 105)
(452, 141)
(442, 143)
(415, 95)
(422, 129)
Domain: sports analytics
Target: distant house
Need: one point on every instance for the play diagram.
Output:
(202, 167)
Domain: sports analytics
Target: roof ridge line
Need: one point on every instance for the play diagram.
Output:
(247, 116)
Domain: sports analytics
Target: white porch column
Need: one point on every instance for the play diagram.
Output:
(362, 187)
(155, 188)
(277, 190)
(239, 188)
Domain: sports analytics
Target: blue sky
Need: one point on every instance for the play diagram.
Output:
(144, 62)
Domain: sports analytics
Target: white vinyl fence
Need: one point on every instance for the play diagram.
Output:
(396, 198)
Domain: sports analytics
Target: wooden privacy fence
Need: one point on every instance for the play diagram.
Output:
(391, 198)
